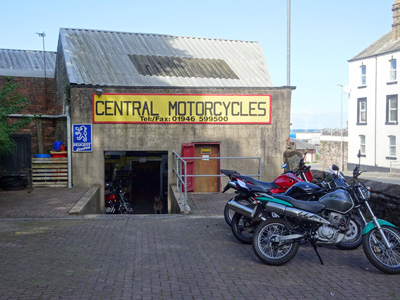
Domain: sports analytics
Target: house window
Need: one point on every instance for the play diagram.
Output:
(361, 111)
(392, 145)
(363, 75)
(393, 70)
(391, 109)
(362, 144)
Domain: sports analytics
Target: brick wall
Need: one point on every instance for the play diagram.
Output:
(42, 96)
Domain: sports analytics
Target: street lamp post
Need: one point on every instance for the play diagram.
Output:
(341, 126)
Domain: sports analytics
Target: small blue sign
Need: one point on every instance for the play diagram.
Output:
(82, 137)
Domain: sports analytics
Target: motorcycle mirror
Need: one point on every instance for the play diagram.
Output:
(355, 172)
(284, 166)
(335, 167)
(301, 163)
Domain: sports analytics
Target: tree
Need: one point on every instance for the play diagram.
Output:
(11, 102)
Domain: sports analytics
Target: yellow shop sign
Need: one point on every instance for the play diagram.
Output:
(182, 108)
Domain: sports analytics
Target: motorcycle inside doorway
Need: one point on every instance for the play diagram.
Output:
(144, 177)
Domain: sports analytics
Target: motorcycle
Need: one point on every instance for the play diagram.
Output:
(279, 185)
(325, 222)
(243, 226)
(116, 201)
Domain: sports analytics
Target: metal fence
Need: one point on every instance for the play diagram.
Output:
(181, 172)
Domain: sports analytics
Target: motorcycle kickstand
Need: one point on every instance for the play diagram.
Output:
(316, 251)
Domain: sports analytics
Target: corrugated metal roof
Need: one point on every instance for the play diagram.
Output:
(26, 63)
(95, 57)
(382, 46)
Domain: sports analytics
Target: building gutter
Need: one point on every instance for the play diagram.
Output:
(69, 142)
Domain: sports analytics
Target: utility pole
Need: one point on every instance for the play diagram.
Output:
(42, 34)
(288, 43)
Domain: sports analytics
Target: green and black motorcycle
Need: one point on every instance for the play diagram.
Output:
(325, 222)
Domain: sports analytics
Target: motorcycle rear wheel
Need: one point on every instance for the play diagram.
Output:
(228, 213)
(384, 259)
(243, 228)
(353, 238)
(269, 251)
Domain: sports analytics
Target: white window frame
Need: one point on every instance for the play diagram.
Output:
(393, 69)
(391, 109)
(392, 145)
(362, 144)
(362, 112)
(363, 75)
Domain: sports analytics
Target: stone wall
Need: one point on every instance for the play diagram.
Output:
(384, 200)
(330, 154)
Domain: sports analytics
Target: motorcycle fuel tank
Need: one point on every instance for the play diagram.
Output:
(302, 190)
(338, 201)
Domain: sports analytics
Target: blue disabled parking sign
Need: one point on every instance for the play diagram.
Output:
(82, 137)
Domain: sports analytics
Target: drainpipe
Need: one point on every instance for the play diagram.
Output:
(69, 145)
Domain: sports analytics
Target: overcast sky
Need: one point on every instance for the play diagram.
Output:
(324, 36)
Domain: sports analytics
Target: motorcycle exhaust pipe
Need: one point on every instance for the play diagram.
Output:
(240, 208)
(294, 212)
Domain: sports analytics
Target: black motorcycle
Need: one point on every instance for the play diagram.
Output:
(244, 225)
(279, 185)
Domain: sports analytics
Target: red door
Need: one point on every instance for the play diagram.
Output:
(187, 150)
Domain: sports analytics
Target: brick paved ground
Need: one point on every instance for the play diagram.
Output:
(167, 257)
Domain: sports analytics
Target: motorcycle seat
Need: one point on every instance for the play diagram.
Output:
(265, 185)
(311, 206)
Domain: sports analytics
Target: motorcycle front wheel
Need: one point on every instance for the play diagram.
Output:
(243, 228)
(385, 259)
(228, 213)
(127, 208)
(353, 236)
(266, 244)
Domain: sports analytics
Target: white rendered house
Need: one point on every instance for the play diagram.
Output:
(373, 119)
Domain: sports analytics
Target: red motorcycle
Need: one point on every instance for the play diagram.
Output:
(280, 185)
(116, 201)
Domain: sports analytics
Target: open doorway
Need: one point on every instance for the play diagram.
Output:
(143, 176)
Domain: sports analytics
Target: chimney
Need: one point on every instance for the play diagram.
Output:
(396, 20)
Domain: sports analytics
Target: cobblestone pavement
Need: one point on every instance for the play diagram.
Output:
(164, 257)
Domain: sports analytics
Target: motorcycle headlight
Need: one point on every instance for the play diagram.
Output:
(367, 192)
